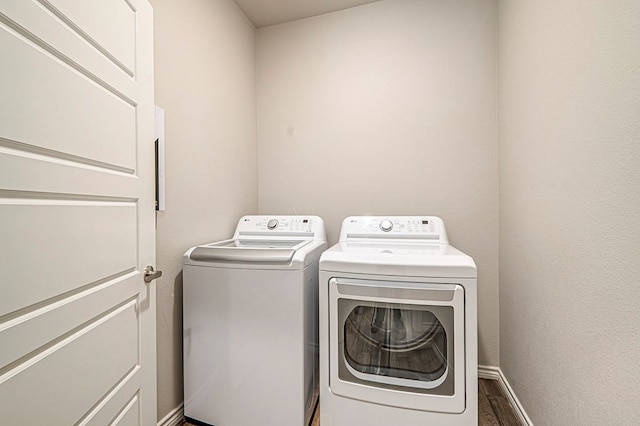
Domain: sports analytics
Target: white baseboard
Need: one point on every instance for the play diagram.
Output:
(174, 418)
(495, 373)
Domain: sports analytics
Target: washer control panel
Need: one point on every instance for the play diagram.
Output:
(280, 225)
(403, 227)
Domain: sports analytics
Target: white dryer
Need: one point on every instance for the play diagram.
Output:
(250, 324)
(398, 326)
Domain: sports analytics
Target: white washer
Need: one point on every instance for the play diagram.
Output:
(398, 319)
(250, 324)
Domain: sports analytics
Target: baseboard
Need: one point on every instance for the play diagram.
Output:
(495, 373)
(174, 418)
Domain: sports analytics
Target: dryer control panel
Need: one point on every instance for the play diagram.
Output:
(429, 228)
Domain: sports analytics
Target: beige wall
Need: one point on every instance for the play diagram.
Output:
(391, 108)
(570, 209)
(388, 108)
(205, 81)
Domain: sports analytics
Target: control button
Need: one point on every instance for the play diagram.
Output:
(386, 225)
(272, 224)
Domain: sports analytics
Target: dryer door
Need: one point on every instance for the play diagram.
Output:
(398, 343)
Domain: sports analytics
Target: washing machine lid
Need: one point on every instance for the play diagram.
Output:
(268, 242)
(255, 250)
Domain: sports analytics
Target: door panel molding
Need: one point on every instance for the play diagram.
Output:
(77, 320)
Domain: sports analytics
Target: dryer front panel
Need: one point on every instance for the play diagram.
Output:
(398, 343)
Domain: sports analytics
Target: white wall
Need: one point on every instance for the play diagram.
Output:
(570, 209)
(205, 81)
(387, 108)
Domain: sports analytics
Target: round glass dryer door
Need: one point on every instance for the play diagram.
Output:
(397, 346)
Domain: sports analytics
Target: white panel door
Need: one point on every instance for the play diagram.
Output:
(77, 223)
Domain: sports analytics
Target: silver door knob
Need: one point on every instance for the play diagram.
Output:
(150, 274)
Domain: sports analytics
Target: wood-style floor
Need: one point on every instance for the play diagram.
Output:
(493, 407)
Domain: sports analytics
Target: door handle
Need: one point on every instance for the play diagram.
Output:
(151, 274)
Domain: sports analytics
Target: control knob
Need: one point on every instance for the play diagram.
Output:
(272, 224)
(386, 225)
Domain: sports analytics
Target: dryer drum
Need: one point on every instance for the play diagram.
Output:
(391, 341)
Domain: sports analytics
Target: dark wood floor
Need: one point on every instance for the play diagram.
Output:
(493, 407)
